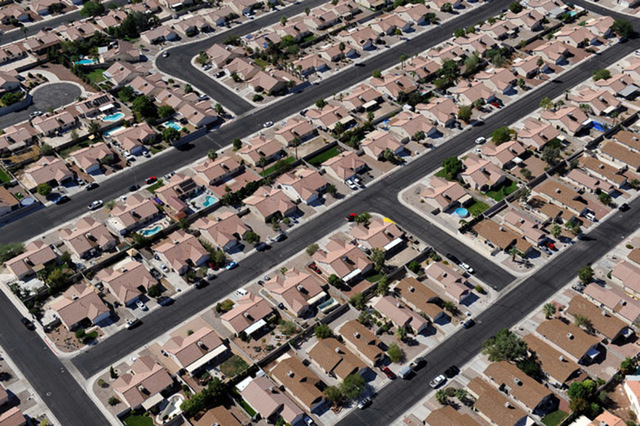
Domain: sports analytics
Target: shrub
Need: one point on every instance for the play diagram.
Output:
(113, 401)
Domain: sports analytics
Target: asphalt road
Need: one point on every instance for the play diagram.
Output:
(46, 374)
(52, 95)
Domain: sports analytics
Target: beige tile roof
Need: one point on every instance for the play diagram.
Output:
(77, 303)
(267, 399)
(448, 416)
(126, 281)
(247, 310)
(46, 169)
(378, 234)
(300, 381)
(399, 314)
(146, 374)
(35, 254)
(226, 228)
(567, 336)
(269, 201)
(181, 249)
(342, 258)
(345, 165)
(288, 287)
(607, 325)
(87, 234)
(454, 282)
(333, 357)
(188, 350)
(366, 343)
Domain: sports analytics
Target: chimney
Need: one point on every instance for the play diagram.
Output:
(603, 313)
(558, 190)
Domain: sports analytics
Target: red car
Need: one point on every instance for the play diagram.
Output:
(350, 217)
(495, 104)
(150, 179)
(550, 245)
(315, 268)
(388, 372)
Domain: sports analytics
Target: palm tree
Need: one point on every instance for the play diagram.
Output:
(401, 333)
(584, 322)
(261, 163)
(549, 310)
(513, 252)
(556, 231)
(461, 394)
(441, 397)
(403, 58)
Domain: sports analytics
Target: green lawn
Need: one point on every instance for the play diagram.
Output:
(138, 421)
(158, 184)
(18, 195)
(321, 158)
(4, 177)
(68, 150)
(247, 407)
(274, 168)
(477, 208)
(96, 75)
(505, 189)
(375, 278)
(233, 366)
(261, 63)
(554, 419)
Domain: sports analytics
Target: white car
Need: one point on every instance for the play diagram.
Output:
(357, 180)
(165, 54)
(140, 304)
(351, 184)
(164, 268)
(95, 205)
(147, 154)
(466, 267)
(437, 381)
(241, 292)
(267, 124)
(481, 140)
(637, 52)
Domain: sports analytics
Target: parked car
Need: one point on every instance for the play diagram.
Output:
(418, 363)
(27, 323)
(437, 381)
(350, 217)
(134, 188)
(590, 216)
(241, 292)
(481, 140)
(387, 372)
(35, 114)
(624, 207)
(62, 199)
(351, 184)
(364, 403)
(95, 205)
(452, 371)
(165, 54)
(147, 154)
(468, 323)
(207, 67)
(150, 179)
(546, 250)
(496, 104)
(452, 258)
(231, 265)
(91, 186)
(133, 323)
(140, 304)
(164, 301)
(201, 284)
(280, 237)
(262, 246)
(466, 267)
(315, 268)
(266, 278)
(267, 124)
(550, 245)
(80, 181)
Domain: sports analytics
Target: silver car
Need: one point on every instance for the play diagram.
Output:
(438, 381)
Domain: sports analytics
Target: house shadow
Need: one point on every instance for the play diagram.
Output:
(441, 321)
(369, 376)
(470, 299)
(238, 248)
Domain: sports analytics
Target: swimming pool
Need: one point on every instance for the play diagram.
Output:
(209, 200)
(151, 231)
(461, 213)
(85, 62)
(173, 125)
(113, 117)
(598, 126)
(114, 130)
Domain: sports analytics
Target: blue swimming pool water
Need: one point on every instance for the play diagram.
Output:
(573, 13)
(151, 231)
(462, 212)
(113, 117)
(209, 200)
(116, 129)
(173, 124)
(85, 62)
(598, 126)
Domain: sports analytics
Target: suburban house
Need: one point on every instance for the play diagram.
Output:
(50, 170)
(393, 85)
(91, 158)
(135, 212)
(215, 172)
(571, 119)
(346, 261)
(193, 352)
(407, 125)
(627, 275)
(448, 415)
(600, 102)
(379, 234)
(525, 224)
(225, 232)
(249, 315)
(267, 203)
(128, 282)
(302, 384)
(182, 251)
(632, 390)
(453, 282)
(615, 300)
(363, 98)
(220, 55)
(494, 407)
(421, 299)
(79, 305)
(88, 238)
(560, 371)
(134, 138)
(567, 197)
(54, 125)
(500, 238)
(329, 116)
(268, 400)
(335, 359)
(441, 111)
(536, 134)
(344, 166)
(554, 52)
(362, 342)
(158, 35)
(302, 184)
(36, 256)
(296, 290)
(443, 195)
(17, 137)
(481, 174)
(605, 324)
(619, 155)
(400, 315)
(378, 142)
(178, 189)
(13, 417)
(8, 203)
(296, 128)
(571, 339)
(141, 386)
(99, 103)
(506, 155)
(259, 148)
(199, 115)
(536, 398)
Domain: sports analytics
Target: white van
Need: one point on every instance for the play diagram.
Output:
(241, 292)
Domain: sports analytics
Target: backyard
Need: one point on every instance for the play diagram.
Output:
(324, 156)
(233, 366)
(4, 177)
(152, 189)
(505, 189)
(96, 76)
(555, 418)
(275, 167)
(477, 208)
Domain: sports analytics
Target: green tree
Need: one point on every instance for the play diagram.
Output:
(459, 32)
(323, 331)
(549, 310)
(334, 394)
(321, 103)
(202, 58)
(504, 346)
(450, 307)
(602, 74)
(622, 28)
(450, 70)
(212, 154)
(46, 149)
(604, 198)
(154, 291)
(628, 366)
(441, 397)
(403, 58)
(516, 7)
(113, 401)
(376, 74)
(288, 328)
(501, 135)
(363, 218)
(546, 103)
(583, 390)
(401, 333)
(353, 385)
(331, 190)
(378, 258)
(44, 189)
(143, 106)
(251, 237)
(472, 64)
(551, 155)
(126, 94)
(395, 353)
(166, 111)
(357, 301)
(383, 286)
(169, 134)
(583, 321)
(312, 249)
(94, 127)
(556, 231)
(188, 88)
(92, 8)
(452, 166)
(585, 274)
(464, 113)
(334, 280)
(237, 144)
(112, 373)
(447, 7)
